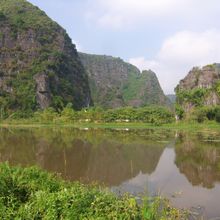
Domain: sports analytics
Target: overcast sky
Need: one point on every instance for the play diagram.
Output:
(167, 36)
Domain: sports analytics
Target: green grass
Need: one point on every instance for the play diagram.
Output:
(190, 126)
(30, 193)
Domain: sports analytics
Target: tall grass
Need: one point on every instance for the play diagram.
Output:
(30, 193)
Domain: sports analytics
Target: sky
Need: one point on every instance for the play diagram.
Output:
(166, 36)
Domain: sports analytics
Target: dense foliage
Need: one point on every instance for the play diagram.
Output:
(195, 96)
(34, 194)
(154, 115)
(217, 87)
(206, 113)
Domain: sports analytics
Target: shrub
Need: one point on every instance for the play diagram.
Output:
(2, 16)
(154, 115)
(179, 111)
(48, 115)
(211, 113)
(217, 114)
(217, 87)
(195, 96)
(201, 116)
(30, 193)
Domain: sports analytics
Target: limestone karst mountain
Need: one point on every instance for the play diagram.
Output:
(115, 83)
(39, 65)
(201, 87)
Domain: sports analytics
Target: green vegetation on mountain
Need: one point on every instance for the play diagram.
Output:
(115, 83)
(198, 94)
(39, 65)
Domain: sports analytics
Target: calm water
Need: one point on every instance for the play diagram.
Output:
(183, 167)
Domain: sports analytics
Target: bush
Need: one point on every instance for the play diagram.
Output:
(48, 115)
(217, 87)
(211, 113)
(2, 16)
(201, 116)
(153, 115)
(179, 111)
(31, 193)
(217, 114)
(195, 96)
(206, 113)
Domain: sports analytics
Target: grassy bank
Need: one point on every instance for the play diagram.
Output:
(30, 193)
(189, 126)
(137, 118)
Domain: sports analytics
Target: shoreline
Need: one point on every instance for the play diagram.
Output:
(91, 125)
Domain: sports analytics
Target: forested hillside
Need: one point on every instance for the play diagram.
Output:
(115, 83)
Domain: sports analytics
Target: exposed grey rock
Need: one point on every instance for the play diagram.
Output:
(204, 78)
(200, 78)
(43, 90)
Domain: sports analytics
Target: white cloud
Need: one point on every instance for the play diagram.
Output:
(143, 63)
(192, 47)
(118, 13)
(179, 54)
(127, 13)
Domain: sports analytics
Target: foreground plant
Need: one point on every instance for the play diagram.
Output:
(30, 193)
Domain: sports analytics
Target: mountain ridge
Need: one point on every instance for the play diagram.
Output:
(116, 83)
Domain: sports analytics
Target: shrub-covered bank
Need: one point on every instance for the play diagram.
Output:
(152, 114)
(199, 114)
(30, 193)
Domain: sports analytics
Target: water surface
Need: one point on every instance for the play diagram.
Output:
(182, 167)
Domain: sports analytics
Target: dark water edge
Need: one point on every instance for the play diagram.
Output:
(182, 166)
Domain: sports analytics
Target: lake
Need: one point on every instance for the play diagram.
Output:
(181, 166)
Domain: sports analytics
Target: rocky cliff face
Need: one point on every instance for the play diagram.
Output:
(115, 83)
(204, 77)
(200, 87)
(39, 65)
